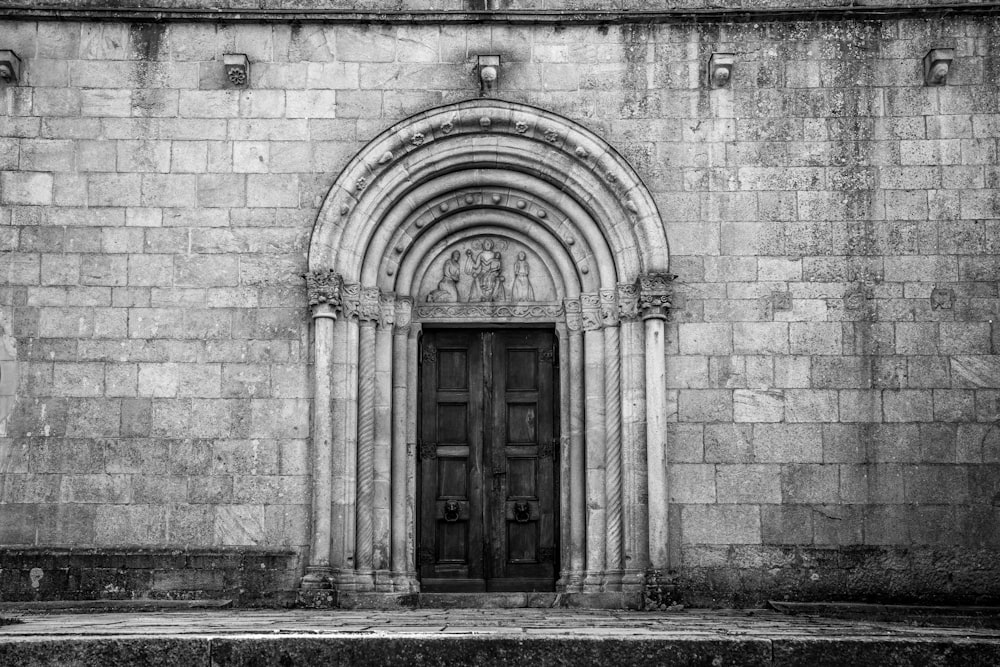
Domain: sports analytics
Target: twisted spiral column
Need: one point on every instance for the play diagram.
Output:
(613, 455)
(368, 314)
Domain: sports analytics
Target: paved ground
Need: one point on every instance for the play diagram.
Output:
(466, 636)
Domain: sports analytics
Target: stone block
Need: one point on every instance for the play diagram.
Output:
(275, 190)
(758, 406)
(687, 372)
(721, 524)
(78, 379)
(158, 380)
(748, 484)
(103, 488)
(860, 405)
(221, 190)
(907, 405)
(811, 405)
(26, 188)
(705, 405)
(838, 525)
(130, 524)
(195, 524)
(280, 418)
(210, 489)
(284, 525)
(311, 104)
(786, 524)
(788, 443)
(810, 483)
(239, 525)
(760, 338)
(936, 484)
(103, 270)
(886, 525)
(691, 483)
(206, 271)
(93, 418)
(158, 489)
(954, 405)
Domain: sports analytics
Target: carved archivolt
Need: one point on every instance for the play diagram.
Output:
(486, 212)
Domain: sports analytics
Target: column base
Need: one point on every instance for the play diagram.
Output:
(316, 577)
(613, 580)
(593, 582)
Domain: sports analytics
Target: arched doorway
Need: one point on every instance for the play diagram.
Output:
(488, 214)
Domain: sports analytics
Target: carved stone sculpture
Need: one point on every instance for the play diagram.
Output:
(485, 267)
(521, 290)
(323, 287)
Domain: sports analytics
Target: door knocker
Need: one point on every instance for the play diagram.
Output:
(451, 511)
(522, 512)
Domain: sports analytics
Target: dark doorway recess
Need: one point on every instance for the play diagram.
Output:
(487, 473)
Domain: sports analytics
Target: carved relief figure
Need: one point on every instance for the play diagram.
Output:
(447, 288)
(485, 267)
(521, 289)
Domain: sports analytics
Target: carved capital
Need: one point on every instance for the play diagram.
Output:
(591, 306)
(369, 309)
(387, 310)
(324, 290)
(404, 313)
(655, 293)
(609, 307)
(628, 301)
(351, 293)
(574, 316)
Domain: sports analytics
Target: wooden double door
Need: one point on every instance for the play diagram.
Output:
(487, 475)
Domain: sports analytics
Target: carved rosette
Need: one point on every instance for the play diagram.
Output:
(351, 294)
(323, 289)
(369, 309)
(591, 306)
(387, 310)
(628, 301)
(609, 307)
(655, 292)
(404, 313)
(574, 316)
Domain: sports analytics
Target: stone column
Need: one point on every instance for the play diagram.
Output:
(565, 456)
(633, 410)
(346, 438)
(412, 408)
(324, 292)
(368, 314)
(654, 303)
(613, 440)
(399, 473)
(594, 368)
(577, 458)
(381, 512)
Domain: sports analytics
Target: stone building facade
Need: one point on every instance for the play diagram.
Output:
(681, 304)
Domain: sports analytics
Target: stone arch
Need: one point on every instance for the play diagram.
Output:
(488, 171)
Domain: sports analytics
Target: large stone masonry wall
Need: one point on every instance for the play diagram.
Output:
(833, 223)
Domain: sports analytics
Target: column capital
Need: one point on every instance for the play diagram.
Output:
(590, 303)
(351, 293)
(387, 310)
(574, 321)
(369, 308)
(404, 313)
(323, 288)
(609, 307)
(655, 293)
(628, 301)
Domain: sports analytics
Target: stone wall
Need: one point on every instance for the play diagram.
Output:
(835, 388)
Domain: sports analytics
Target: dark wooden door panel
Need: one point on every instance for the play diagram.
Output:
(488, 483)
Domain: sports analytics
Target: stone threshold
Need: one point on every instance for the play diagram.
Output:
(507, 600)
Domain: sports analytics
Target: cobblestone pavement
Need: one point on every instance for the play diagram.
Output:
(756, 624)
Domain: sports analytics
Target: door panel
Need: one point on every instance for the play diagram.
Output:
(488, 429)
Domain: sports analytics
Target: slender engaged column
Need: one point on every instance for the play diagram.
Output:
(577, 458)
(633, 403)
(400, 345)
(381, 512)
(613, 440)
(565, 456)
(654, 302)
(412, 408)
(365, 561)
(594, 367)
(325, 299)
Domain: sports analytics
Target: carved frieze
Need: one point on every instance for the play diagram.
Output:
(491, 311)
(323, 288)
(655, 292)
